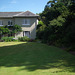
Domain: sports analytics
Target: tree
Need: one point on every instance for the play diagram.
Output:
(51, 13)
(59, 21)
(51, 3)
(67, 2)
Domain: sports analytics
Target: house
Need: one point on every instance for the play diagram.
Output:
(27, 20)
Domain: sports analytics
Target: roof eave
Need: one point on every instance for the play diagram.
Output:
(36, 16)
(6, 17)
(25, 16)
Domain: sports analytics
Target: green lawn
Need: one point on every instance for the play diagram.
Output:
(19, 58)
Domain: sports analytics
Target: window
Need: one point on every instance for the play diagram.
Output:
(1, 23)
(10, 23)
(26, 22)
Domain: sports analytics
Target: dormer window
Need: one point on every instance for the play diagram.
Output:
(26, 22)
(10, 23)
(1, 23)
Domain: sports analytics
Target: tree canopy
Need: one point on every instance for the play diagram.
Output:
(58, 25)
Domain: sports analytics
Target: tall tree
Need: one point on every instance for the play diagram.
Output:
(67, 2)
(51, 3)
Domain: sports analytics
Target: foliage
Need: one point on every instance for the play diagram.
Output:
(10, 29)
(25, 38)
(4, 30)
(67, 2)
(40, 28)
(50, 3)
(40, 23)
(17, 28)
(7, 39)
(59, 21)
(51, 13)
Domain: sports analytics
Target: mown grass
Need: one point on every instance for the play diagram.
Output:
(19, 58)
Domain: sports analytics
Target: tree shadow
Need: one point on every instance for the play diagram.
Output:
(34, 56)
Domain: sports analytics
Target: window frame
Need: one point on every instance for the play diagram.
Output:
(26, 22)
(10, 23)
(1, 23)
(25, 32)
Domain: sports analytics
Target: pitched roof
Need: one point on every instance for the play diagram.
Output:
(18, 14)
(8, 14)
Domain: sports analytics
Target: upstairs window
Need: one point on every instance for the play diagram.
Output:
(1, 23)
(10, 22)
(26, 22)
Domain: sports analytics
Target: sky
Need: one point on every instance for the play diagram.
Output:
(35, 6)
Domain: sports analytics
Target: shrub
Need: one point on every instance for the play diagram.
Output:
(32, 40)
(1, 40)
(25, 38)
(4, 30)
(40, 31)
(7, 39)
(17, 28)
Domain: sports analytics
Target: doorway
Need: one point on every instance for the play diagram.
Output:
(26, 33)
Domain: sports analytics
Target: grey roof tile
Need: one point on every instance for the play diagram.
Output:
(8, 14)
(17, 14)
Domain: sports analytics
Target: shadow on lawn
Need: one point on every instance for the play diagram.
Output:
(34, 56)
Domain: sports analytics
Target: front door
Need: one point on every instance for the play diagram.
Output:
(26, 33)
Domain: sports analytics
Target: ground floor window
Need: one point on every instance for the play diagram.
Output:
(10, 23)
(26, 33)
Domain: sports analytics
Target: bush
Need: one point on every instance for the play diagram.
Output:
(16, 28)
(40, 31)
(7, 39)
(4, 30)
(1, 40)
(25, 38)
(32, 40)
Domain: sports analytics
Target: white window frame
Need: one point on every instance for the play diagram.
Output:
(26, 22)
(10, 23)
(1, 23)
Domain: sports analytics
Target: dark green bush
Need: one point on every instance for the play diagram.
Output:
(32, 40)
(4, 30)
(25, 38)
(16, 28)
(7, 39)
(40, 29)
